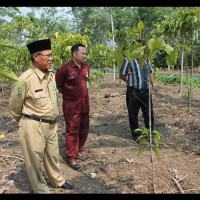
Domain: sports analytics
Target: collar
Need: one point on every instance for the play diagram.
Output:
(39, 73)
(74, 65)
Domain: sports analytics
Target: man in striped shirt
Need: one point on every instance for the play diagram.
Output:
(137, 95)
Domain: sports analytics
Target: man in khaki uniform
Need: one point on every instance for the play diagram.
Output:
(33, 104)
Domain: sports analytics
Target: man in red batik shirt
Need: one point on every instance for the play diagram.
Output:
(72, 81)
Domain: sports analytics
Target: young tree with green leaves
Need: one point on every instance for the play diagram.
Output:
(98, 55)
(146, 52)
(181, 23)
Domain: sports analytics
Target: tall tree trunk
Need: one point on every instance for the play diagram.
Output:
(150, 125)
(182, 64)
(20, 41)
(191, 81)
(113, 40)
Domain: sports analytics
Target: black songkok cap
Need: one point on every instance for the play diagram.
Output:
(39, 45)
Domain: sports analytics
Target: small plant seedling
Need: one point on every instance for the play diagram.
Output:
(146, 137)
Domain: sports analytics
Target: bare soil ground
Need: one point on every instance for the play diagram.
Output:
(113, 165)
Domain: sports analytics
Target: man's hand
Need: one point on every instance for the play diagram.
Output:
(60, 90)
(122, 77)
(155, 89)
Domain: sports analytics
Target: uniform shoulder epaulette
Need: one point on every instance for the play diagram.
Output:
(50, 70)
(26, 74)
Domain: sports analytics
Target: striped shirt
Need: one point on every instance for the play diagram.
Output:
(135, 76)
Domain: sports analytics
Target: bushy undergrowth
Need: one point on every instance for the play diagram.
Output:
(175, 80)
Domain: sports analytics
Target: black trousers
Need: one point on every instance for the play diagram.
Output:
(135, 100)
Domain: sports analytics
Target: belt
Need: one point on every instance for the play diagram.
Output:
(40, 120)
(132, 88)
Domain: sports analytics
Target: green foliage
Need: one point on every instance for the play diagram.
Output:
(7, 43)
(137, 53)
(98, 55)
(172, 56)
(96, 19)
(7, 73)
(89, 27)
(146, 137)
(156, 74)
(152, 16)
(197, 170)
(132, 33)
(17, 9)
(61, 46)
(145, 51)
(192, 96)
(43, 27)
(175, 80)
(118, 57)
(180, 22)
(97, 77)
(17, 59)
(140, 26)
(181, 25)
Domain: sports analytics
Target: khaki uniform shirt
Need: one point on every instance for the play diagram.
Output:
(35, 95)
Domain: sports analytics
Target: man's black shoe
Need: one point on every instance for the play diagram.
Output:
(67, 186)
(136, 138)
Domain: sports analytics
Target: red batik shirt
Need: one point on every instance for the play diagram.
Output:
(72, 81)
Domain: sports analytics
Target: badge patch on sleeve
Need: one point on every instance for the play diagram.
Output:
(20, 90)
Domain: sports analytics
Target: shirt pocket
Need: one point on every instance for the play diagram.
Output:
(72, 79)
(40, 99)
(85, 76)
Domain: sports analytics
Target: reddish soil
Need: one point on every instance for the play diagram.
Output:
(113, 165)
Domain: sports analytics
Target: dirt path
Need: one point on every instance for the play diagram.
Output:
(112, 165)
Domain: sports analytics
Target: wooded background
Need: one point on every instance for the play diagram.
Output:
(102, 30)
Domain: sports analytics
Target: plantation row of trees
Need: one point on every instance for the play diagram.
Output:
(107, 32)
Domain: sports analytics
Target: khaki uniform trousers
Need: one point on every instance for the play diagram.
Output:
(39, 143)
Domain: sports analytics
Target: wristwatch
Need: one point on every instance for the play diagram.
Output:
(154, 84)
